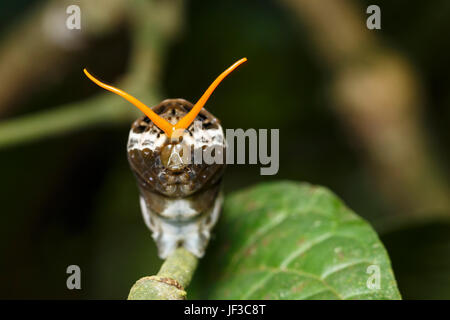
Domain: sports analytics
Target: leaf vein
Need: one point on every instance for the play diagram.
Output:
(343, 266)
(274, 271)
(307, 246)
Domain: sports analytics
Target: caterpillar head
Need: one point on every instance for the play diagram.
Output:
(163, 143)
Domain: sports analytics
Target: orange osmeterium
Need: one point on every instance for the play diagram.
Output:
(190, 117)
(160, 122)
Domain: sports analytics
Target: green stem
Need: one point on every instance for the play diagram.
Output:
(171, 280)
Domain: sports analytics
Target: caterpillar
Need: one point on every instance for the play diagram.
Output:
(180, 199)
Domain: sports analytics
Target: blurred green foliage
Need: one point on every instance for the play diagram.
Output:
(288, 240)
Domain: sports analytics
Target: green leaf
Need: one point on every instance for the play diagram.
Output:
(288, 240)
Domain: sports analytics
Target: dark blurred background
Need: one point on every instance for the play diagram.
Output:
(362, 112)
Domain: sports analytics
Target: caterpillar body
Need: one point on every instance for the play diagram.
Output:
(180, 199)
